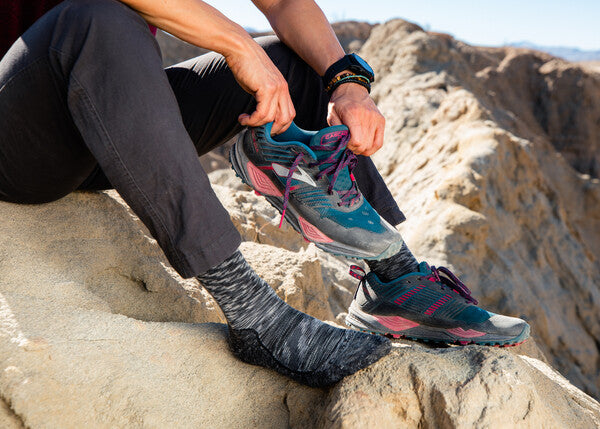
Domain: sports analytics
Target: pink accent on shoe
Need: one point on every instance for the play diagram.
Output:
(469, 333)
(408, 294)
(260, 181)
(333, 137)
(396, 323)
(436, 305)
(312, 233)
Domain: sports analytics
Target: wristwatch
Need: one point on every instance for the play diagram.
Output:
(351, 62)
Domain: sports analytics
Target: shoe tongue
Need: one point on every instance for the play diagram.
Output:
(424, 268)
(327, 140)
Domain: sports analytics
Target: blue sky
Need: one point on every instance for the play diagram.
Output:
(574, 23)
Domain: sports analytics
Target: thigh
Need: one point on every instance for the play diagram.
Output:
(211, 100)
(42, 155)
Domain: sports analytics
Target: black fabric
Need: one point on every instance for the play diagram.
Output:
(395, 266)
(16, 16)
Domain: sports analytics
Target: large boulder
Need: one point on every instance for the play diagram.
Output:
(494, 155)
(96, 330)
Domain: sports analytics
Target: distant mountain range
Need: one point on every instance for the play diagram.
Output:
(570, 54)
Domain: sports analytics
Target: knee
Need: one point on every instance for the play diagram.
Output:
(108, 16)
(101, 31)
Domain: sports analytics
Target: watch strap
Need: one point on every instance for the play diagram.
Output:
(347, 62)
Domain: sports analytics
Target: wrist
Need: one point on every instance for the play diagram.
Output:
(347, 78)
(349, 89)
(351, 63)
(237, 43)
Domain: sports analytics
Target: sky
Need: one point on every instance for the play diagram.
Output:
(569, 23)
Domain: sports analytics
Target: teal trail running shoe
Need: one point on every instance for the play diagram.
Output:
(430, 305)
(307, 176)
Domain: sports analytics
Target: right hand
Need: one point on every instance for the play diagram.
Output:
(256, 74)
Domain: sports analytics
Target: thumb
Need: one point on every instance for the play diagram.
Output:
(333, 118)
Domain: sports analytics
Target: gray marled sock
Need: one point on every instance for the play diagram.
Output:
(264, 330)
(395, 266)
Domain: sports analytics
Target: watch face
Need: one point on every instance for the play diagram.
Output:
(364, 65)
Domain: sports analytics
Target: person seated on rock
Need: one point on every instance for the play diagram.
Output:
(86, 104)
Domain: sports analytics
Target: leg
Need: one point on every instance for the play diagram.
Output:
(106, 99)
(214, 120)
(103, 73)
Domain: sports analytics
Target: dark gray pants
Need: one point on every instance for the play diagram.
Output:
(86, 104)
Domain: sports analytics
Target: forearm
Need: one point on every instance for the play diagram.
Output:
(302, 26)
(195, 22)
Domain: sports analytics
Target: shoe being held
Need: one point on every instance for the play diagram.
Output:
(429, 305)
(307, 176)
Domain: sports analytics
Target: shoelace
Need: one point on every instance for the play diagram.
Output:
(449, 280)
(338, 163)
(452, 282)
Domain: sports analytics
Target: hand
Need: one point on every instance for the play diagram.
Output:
(256, 73)
(351, 105)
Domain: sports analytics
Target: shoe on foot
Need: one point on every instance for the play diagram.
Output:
(307, 176)
(429, 305)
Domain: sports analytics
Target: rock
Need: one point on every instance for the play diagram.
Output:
(493, 155)
(456, 387)
(97, 331)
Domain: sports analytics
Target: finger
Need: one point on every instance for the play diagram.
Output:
(377, 140)
(378, 143)
(359, 137)
(264, 113)
(333, 118)
(291, 111)
(285, 115)
(368, 144)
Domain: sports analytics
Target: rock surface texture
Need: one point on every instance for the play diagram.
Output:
(494, 155)
(96, 330)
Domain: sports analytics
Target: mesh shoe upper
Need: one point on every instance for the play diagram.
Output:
(312, 174)
(431, 299)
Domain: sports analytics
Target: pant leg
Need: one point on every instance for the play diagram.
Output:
(106, 67)
(210, 101)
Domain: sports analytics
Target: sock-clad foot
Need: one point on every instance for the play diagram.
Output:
(264, 330)
(431, 304)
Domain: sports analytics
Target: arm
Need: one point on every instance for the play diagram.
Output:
(202, 25)
(302, 26)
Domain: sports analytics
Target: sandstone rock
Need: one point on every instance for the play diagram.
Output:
(458, 388)
(97, 331)
(494, 154)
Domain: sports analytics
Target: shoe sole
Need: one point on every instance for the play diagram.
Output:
(309, 231)
(413, 331)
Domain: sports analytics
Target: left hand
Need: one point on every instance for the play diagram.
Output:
(351, 105)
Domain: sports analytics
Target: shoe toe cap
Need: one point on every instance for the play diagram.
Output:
(505, 325)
